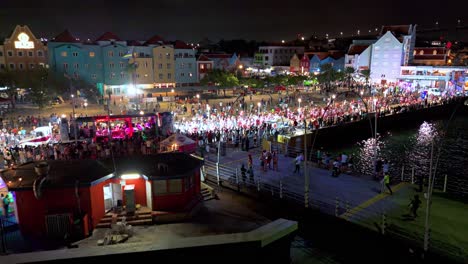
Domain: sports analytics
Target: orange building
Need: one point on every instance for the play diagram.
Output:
(23, 51)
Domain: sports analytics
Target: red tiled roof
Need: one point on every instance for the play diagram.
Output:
(181, 45)
(203, 58)
(154, 40)
(357, 49)
(65, 36)
(108, 36)
(218, 56)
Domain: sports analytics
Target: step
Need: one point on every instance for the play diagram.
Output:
(133, 223)
(128, 218)
(125, 214)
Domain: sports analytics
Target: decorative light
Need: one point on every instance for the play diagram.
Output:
(333, 96)
(302, 38)
(172, 90)
(64, 116)
(198, 96)
(142, 113)
(23, 42)
(282, 41)
(131, 176)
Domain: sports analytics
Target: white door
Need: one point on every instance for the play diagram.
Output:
(149, 196)
(116, 193)
(108, 201)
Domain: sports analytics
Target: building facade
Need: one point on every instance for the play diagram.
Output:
(23, 51)
(276, 55)
(204, 65)
(163, 64)
(185, 64)
(2, 58)
(454, 79)
(430, 56)
(294, 64)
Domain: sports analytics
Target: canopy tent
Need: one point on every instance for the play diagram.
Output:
(178, 142)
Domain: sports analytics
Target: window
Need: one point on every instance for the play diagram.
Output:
(138, 75)
(31, 65)
(208, 66)
(76, 75)
(121, 53)
(122, 75)
(75, 54)
(421, 52)
(10, 53)
(182, 65)
(175, 186)
(414, 52)
(168, 56)
(40, 53)
(2, 66)
(12, 66)
(63, 53)
(182, 74)
(146, 64)
(169, 76)
(92, 54)
(434, 52)
(160, 66)
(160, 56)
(65, 66)
(1, 54)
(168, 65)
(41, 64)
(21, 66)
(30, 53)
(76, 66)
(86, 66)
(189, 65)
(266, 57)
(111, 65)
(160, 76)
(202, 66)
(141, 54)
(93, 76)
(111, 75)
(20, 54)
(110, 53)
(159, 187)
(121, 65)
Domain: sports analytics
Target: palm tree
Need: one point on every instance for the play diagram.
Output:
(327, 75)
(349, 71)
(366, 74)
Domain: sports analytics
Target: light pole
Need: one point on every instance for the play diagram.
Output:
(432, 174)
(299, 100)
(74, 120)
(259, 105)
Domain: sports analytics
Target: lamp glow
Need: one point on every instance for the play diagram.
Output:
(131, 176)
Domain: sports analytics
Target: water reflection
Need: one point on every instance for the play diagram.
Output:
(411, 148)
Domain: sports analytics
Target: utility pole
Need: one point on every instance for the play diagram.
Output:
(73, 109)
(427, 228)
(306, 177)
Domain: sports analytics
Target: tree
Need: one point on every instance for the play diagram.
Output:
(36, 82)
(327, 75)
(7, 79)
(349, 71)
(366, 74)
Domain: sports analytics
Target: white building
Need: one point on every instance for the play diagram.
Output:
(358, 55)
(276, 55)
(391, 51)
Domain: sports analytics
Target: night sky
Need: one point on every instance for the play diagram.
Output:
(216, 19)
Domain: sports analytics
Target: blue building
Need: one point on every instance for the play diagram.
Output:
(317, 61)
(185, 64)
(67, 55)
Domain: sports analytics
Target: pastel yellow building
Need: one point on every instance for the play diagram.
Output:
(144, 71)
(163, 65)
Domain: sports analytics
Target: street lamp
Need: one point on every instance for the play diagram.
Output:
(299, 100)
(172, 90)
(259, 105)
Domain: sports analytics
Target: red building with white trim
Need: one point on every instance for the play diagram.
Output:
(50, 196)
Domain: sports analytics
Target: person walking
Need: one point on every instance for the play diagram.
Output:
(6, 204)
(298, 162)
(386, 182)
(414, 205)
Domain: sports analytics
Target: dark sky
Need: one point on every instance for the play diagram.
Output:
(229, 19)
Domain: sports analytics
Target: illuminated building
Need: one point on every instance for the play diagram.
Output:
(446, 78)
(50, 196)
(204, 65)
(23, 51)
(294, 64)
(185, 64)
(430, 56)
(276, 55)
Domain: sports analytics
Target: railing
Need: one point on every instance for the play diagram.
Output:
(374, 219)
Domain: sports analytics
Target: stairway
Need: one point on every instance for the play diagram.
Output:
(140, 218)
(207, 192)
